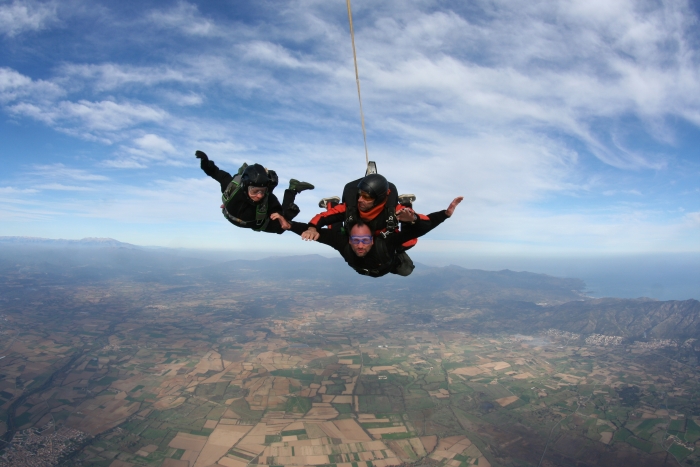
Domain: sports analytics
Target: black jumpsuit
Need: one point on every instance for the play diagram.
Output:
(243, 208)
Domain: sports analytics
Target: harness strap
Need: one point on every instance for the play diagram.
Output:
(234, 219)
(241, 223)
(390, 223)
(261, 212)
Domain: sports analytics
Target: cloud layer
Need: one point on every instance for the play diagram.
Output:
(26, 16)
(563, 123)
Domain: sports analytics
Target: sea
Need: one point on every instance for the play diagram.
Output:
(671, 276)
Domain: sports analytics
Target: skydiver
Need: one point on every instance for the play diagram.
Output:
(372, 200)
(247, 196)
(376, 255)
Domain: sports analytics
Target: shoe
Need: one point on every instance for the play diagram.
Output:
(324, 202)
(298, 186)
(407, 200)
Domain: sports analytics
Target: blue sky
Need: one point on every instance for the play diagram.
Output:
(570, 127)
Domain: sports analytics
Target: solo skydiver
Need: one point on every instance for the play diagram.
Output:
(373, 201)
(376, 255)
(247, 197)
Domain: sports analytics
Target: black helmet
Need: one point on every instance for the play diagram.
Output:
(376, 186)
(255, 175)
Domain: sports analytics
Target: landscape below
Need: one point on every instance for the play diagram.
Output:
(114, 355)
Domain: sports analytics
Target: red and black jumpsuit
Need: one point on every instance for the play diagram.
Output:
(373, 218)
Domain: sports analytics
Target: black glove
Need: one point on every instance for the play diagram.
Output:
(201, 155)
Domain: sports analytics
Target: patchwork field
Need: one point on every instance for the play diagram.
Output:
(188, 382)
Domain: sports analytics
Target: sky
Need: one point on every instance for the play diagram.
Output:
(570, 127)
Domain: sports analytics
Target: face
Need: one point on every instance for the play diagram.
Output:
(365, 202)
(362, 234)
(256, 193)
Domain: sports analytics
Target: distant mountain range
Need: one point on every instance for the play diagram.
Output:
(627, 318)
(489, 301)
(86, 242)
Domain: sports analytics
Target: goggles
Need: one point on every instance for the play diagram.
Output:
(366, 196)
(363, 239)
(256, 190)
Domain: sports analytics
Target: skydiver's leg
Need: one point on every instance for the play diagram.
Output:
(405, 266)
(407, 200)
(289, 209)
(328, 204)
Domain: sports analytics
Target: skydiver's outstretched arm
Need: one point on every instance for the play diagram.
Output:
(453, 205)
(331, 237)
(209, 168)
(311, 234)
(409, 215)
(415, 225)
(328, 217)
(331, 216)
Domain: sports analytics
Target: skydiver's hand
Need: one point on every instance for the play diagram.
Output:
(311, 235)
(406, 215)
(451, 208)
(276, 216)
(201, 155)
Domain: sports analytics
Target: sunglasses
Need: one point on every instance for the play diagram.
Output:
(364, 239)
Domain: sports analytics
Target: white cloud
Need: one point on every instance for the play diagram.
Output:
(184, 99)
(124, 164)
(488, 169)
(91, 116)
(109, 76)
(23, 15)
(109, 115)
(184, 17)
(534, 65)
(146, 149)
(627, 192)
(8, 190)
(10, 80)
(154, 143)
(270, 54)
(14, 85)
(31, 110)
(62, 187)
(539, 66)
(61, 172)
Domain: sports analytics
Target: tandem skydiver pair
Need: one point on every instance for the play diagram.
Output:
(371, 227)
